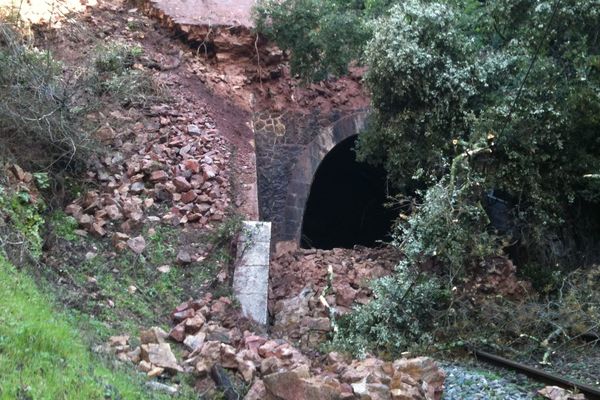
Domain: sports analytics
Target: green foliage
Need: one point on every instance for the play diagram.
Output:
(470, 97)
(25, 214)
(442, 229)
(400, 317)
(324, 36)
(116, 76)
(42, 356)
(64, 226)
(521, 78)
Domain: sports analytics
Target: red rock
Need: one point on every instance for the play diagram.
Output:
(178, 333)
(192, 165)
(297, 385)
(193, 324)
(254, 342)
(257, 391)
(182, 315)
(208, 172)
(159, 176)
(188, 197)
(345, 295)
(228, 356)
(181, 184)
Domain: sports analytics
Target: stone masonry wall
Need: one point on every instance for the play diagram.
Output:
(289, 149)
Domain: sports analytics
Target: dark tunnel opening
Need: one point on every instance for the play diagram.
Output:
(345, 206)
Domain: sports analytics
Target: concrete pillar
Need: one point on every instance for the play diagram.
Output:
(251, 276)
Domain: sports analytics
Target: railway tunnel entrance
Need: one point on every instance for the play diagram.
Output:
(346, 202)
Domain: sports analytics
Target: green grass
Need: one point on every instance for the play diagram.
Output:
(42, 355)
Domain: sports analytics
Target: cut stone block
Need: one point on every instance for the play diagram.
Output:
(251, 277)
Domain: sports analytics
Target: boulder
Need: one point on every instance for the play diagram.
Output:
(160, 355)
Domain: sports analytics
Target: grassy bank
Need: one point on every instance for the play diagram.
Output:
(42, 355)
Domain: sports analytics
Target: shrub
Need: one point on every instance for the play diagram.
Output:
(401, 316)
(324, 36)
(115, 76)
(40, 117)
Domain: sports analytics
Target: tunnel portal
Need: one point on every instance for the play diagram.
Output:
(345, 206)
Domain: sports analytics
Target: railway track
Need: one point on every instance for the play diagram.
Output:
(591, 392)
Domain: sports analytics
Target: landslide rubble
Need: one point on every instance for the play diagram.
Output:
(217, 338)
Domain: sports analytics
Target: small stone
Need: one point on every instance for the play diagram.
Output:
(192, 165)
(202, 369)
(159, 176)
(183, 257)
(164, 269)
(137, 187)
(246, 368)
(73, 210)
(153, 335)
(160, 355)
(228, 355)
(156, 371)
(137, 244)
(195, 342)
(177, 333)
(161, 387)
(345, 295)
(116, 341)
(193, 129)
(97, 230)
(135, 355)
(194, 324)
(145, 366)
(208, 172)
(211, 352)
(188, 197)
(182, 184)
(113, 212)
(183, 315)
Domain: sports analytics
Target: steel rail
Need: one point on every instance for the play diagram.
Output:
(591, 393)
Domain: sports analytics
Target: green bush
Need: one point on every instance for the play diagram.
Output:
(324, 36)
(402, 315)
(115, 76)
(25, 215)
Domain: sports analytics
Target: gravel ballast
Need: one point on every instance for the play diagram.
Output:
(471, 382)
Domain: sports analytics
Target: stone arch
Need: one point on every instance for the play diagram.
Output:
(307, 164)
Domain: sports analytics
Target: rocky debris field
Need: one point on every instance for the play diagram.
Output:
(307, 285)
(222, 351)
(172, 168)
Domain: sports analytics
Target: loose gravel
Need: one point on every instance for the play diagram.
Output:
(469, 382)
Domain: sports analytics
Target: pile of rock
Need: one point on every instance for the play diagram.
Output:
(301, 299)
(210, 330)
(180, 161)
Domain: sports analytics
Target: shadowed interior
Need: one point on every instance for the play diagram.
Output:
(345, 206)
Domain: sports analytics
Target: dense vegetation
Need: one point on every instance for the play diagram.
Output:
(485, 114)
